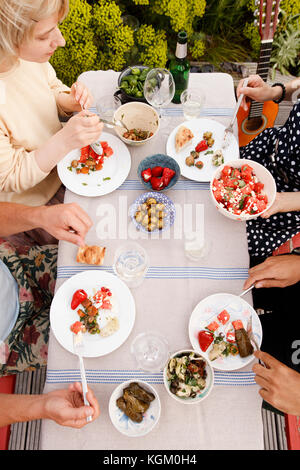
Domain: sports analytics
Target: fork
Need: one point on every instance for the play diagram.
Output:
(79, 350)
(252, 337)
(229, 129)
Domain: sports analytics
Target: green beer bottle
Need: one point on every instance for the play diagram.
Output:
(180, 66)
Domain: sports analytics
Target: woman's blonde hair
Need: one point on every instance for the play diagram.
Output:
(17, 20)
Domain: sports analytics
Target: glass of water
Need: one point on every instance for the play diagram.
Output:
(195, 246)
(151, 351)
(131, 264)
(106, 107)
(192, 103)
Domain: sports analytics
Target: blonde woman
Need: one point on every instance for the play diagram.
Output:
(32, 139)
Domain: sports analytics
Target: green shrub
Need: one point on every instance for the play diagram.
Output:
(97, 39)
(80, 51)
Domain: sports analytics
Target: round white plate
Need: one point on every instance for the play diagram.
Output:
(116, 167)
(238, 309)
(125, 425)
(62, 316)
(198, 127)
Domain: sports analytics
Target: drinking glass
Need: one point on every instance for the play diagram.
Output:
(159, 88)
(192, 103)
(106, 106)
(151, 351)
(195, 246)
(131, 264)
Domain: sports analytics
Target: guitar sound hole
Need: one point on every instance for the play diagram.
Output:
(254, 124)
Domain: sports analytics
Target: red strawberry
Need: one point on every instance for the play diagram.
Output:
(167, 175)
(157, 183)
(157, 171)
(146, 175)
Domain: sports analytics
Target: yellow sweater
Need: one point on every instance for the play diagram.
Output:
(28, 118)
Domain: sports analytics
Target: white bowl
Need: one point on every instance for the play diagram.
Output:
(124, 424)
(137, 115)
(263, 175)
(209, 380)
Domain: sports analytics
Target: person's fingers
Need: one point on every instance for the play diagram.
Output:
(261, 371)
(77, 415)
(77, 387)
(70, 237)
(270, 283)
(267, 359)
(93, 402)
(88, 119)
(265, 394)
(263, 383)
(82, 215)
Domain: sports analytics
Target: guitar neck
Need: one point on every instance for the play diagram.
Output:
(262, 70)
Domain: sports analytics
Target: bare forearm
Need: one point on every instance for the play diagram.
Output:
(290, 201)
(290, 88)
(18, 408)
(16, 218)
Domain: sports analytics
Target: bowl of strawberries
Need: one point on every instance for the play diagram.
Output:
(158, 172)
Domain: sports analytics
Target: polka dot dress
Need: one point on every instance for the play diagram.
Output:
(265, 235)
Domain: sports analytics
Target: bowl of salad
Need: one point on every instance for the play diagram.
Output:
(188, 377)
(141, 120)
(242, 189)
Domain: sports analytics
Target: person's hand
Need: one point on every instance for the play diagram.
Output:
(81, 130)
(78, 98)
(65, 222)
(277, 206)
(284, 202)
(275, 271)
(66, 407)
(256, 89)
(81, 96)
(280, 385)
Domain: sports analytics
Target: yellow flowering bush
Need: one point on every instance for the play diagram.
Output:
(152, 46)
(80, 51)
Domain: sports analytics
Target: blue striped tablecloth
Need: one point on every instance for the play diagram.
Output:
(230, 418)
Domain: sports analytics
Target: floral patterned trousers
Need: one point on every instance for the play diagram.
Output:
(34, 269)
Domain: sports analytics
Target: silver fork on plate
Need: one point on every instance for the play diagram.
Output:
(229, 129)
(252, 337)
(78, 346)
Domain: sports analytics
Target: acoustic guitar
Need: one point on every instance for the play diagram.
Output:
(259, 116)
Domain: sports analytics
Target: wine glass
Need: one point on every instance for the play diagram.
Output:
(159, 88)
(151, 351)
(131, 264)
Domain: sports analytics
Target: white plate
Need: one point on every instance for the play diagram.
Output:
(198, 127)
(238, 309)
(116, 167)
(62, 316)
(125, 425)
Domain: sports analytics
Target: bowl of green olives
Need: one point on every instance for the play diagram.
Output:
(131, 83)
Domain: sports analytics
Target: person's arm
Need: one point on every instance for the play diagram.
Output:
(259, 90)
(21, 169)
(284, 202)
(280, 385)
(65, 407)
(64, 221)
(81, 130)
(68, 100)
(79, 97)
(275, 271)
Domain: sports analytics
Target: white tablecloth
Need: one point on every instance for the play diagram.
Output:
(230, 418)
